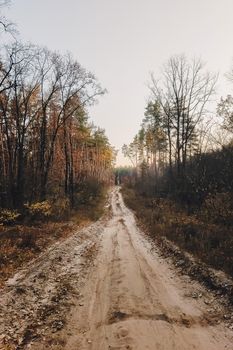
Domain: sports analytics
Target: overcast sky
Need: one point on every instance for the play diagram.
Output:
(122, 41)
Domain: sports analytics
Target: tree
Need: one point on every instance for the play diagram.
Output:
(46, 142)
(65, 87)
(155, 137)
(225, 110)
(131, 151)
(5, 25)
(183, 96)
(16, 106)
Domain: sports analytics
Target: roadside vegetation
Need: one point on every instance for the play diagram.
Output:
(180, 184)
(55, 164)
(23, 240)
(210, 242)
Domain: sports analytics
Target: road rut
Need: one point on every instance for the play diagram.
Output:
(132, 302)
(118, 293)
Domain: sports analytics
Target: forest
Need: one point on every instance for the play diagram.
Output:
(182, 161)
(49, 149)
(55, 164)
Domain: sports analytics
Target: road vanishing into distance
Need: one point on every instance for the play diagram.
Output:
(118, 292)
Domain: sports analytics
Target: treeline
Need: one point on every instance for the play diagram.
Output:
(182, 184)
(123, 174)
(48, 147)
(178, 151)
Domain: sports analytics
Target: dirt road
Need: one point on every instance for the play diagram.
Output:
(130, 298)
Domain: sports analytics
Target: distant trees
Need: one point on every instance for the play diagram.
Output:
(225, 110)
(176, 152)
(131, 151)
(182, 97)
(148, 148)
(172, 126)
(155, 137)
(124, 174)
(225, 107)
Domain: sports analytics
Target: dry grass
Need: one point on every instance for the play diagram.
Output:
(19, 244)
(210, 242)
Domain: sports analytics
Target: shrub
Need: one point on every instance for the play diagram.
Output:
(39, 210)
(8, 217)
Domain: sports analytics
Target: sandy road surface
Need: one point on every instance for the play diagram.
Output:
(132, 299)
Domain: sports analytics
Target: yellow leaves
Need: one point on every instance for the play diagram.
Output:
(39, 210)
(8, 216)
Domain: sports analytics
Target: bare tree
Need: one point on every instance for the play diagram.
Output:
(66, 87)
(18, 112)
(6, 26)
(43, 101)
(183, 95)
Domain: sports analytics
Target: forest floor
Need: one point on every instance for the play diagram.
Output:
(108, 286)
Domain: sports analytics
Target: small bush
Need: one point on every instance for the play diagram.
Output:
(39, 210)
(8, 217)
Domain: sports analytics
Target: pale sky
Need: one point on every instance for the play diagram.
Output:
(122, 41)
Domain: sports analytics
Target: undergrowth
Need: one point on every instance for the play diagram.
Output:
(209, 240)
(22, 239)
